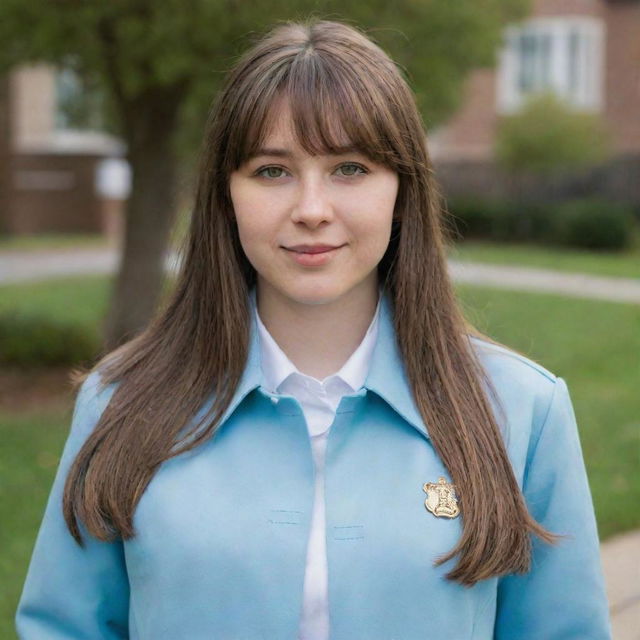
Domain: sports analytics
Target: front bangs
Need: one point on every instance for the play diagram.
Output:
(331, 111)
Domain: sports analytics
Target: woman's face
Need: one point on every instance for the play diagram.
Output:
(291, 207)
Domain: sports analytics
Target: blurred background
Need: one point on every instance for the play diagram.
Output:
(532, 110)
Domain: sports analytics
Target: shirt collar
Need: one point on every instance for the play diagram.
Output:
(277, 367)
(386, 377)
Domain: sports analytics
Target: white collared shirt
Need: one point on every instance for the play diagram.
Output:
(319, 401)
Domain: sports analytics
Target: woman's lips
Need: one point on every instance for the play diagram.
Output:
(312, 256)
(312, 248)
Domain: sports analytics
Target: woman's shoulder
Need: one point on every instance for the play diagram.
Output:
(94, 388)
(522, 384)
(502, 360)
(531, 401)
(92, 398)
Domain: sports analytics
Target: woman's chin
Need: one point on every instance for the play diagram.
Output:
(310, 291)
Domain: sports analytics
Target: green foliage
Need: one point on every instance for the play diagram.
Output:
(67, 300)
(479, 219)
(594, 224)
(547, 135)
(35, 340)
(585, 224)
(500, 220)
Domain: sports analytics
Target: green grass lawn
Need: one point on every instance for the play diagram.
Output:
(593, 345)
(47, 241)
(624, 264)
(31, 446)
(81, 300)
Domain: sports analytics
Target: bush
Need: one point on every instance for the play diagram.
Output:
(586, 224)
(474, 218)
(31, 340)
(593, 224)
(500, 220)
(547, 135)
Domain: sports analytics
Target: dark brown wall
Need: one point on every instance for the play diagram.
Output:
(5, 152)
(615, 181)
(54, 192)
(622, 74)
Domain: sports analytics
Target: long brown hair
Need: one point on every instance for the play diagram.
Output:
(337, 81)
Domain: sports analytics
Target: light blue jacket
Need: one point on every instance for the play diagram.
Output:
(222, 531)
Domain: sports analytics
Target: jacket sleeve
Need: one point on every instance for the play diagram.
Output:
(562, 597)
(70, 592)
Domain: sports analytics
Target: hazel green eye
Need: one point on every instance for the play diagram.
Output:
(270, 172)
(351, 169)
(347, 170)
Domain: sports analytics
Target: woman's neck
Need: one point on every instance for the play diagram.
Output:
(318, 338)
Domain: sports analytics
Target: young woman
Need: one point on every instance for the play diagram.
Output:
(309, 441)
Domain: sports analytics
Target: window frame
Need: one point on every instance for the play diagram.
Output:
(575, 67)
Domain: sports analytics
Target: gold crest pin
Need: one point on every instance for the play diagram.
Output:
(441, 498)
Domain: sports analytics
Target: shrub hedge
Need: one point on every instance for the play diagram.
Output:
(586, 224)
(594, 225)
(547, 134)
(32, 340)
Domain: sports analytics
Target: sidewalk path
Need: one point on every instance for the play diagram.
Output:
(30, 266)
(18, 266)
(621, 566)
(579, 285)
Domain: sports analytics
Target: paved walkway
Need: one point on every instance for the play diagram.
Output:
(621, 566)
(30, 266)
(579, 285)
(17, 266)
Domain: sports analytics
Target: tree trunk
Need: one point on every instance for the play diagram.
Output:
(150, 214)
(6, 188)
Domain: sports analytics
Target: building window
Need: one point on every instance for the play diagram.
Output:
(564, 55)
(78, 103)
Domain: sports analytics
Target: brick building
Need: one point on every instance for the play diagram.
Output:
(55, 176)
(585, 51)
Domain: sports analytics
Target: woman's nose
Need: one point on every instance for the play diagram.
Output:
(313, 202)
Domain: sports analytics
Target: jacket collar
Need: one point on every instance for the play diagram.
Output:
(386, 377)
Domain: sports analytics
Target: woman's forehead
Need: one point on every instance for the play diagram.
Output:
(284, 136)
(286, 132)
(300, 125)
(282, 117)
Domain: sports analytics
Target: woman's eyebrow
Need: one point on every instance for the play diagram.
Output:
(283, 153)
(286, 153)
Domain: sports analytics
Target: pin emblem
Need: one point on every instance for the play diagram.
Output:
(441, 498)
